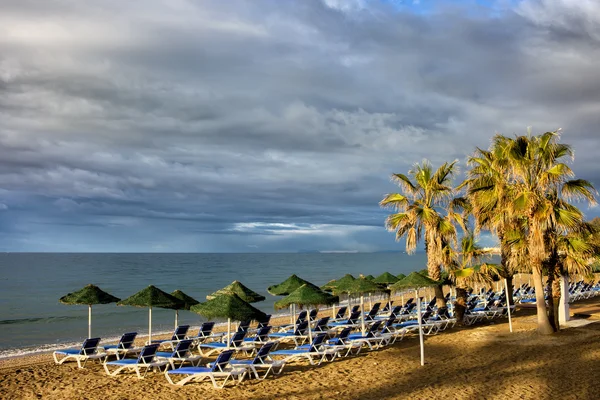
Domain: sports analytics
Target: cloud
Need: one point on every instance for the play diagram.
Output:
(220, 123)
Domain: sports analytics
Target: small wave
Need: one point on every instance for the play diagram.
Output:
(37, 319)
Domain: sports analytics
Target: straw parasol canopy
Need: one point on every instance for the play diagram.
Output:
(400, 276)
(288, 286)
(416, 281)
(152, 297)
(188, 301)
(89, 296)
(230, 306)
(359, 286)
(307, 295)
(386, 279)
(241, 290)
(369, 277)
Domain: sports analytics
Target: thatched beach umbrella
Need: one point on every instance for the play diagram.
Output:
(288, 286)
(369, 277)
(385, 280)
(229, 306)
(245, 293)
(152, 297)
(89, 296)
(307, 295)
(416, 281)
(359, 286)
(188, 301)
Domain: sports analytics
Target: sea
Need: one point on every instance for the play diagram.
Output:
(32, 320)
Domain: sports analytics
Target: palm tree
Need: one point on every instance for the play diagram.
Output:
(538, 177)
(420, 213)
(489, 192)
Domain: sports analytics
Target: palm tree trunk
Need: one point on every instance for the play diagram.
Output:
(435, 273)
(509, 288)
(544, 326)
(460, 305)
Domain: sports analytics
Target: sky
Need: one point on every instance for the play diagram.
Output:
(268, 125)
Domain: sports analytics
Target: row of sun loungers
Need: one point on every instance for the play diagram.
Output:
(241, 355)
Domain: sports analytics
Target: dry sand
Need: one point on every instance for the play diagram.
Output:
(482, 362)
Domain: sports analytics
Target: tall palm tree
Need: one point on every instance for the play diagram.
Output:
(538, 176)
(420, 213)
(489, 192)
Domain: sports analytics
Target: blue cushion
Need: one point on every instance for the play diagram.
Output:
(127, 361)
(190, 370)
(68, 351)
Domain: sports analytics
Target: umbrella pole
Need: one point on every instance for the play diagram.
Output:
(228, 332)
(508, 305)
(420, 328)
(370, 302)
(309, 330)
(362, 314)
(176, 318)
(333, 311)
(291, 314)
(150, 325)
(89, 321)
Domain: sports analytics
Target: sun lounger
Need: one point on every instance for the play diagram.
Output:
(298, 335)
(146, 360)
(181, 354)
(179, 334)
(261, 361)
(309, 352)
(124, 347)
(218, 370)
(236, 344)
(342, 345)
(88, 351)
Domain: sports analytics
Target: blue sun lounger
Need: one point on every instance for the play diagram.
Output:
(146, 360)
(181, 354)
(179, 334)
(218, 370)
(236, 344)
(88, 351)
(315, 350)
(124, 347)
(262, 360)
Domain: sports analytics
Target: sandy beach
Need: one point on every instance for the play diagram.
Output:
(481, 362)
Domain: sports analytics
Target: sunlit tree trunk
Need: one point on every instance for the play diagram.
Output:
(460, 305)
(544, 326)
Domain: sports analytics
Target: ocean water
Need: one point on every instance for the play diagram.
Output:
(32, 319)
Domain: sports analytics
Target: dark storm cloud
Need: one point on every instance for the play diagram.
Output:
(266, 125)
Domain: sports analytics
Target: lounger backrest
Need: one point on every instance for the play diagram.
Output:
(341, 312)
(313, 314)
(395, 311)
(182, 348)
(206, 329)
(301, 328)
(317, 341)
(89, 347)
(344, 333)
(301, 316)
(354, 317)
(373, 329)
(263, 353)
(222, 360)
(243, 326)
(147, 354)
(322, 324)
(262, 335)
(237, 338)
(180, 332)
(127, 340)
(354, 309)
(264, 322)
